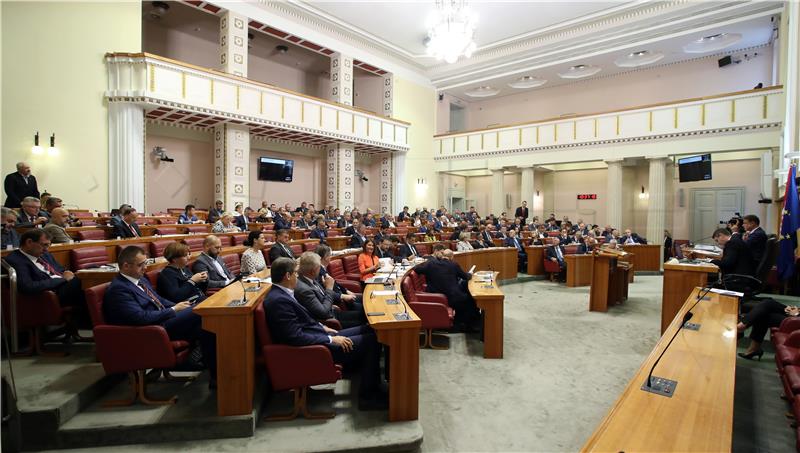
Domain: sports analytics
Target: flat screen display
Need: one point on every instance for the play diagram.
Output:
(695, 168)
(270, 169)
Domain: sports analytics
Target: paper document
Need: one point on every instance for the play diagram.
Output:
(472, 269)
(725, 292)
(384, 293)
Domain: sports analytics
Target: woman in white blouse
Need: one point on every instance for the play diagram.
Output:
(225, 224)
(463, 242)
(253, 258)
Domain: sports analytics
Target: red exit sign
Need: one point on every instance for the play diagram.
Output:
(587, 196)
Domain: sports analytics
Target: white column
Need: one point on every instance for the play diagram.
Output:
(233, 44)
(342, 78)
(126, 155)
(331, 177)
(527, 192)
(657, 206)
(498, 194)
(386, 183)
(388, 94)
(792, 84)
(399, 181)
(232, 165)
(614, 190)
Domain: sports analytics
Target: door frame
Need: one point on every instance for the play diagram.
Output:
(715, 189)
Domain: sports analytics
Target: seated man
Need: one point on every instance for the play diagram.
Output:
(555, 252)
(522, 257)
(631, 238)
(215, 212)
(320, 231)
(736, 259)
(352, 300)
(487, 235)
(359, 237)
(38, 271)
(127, 227)
(209, 261)
(57, 227)
(319, 300)
(291, 324)
(384, 249)
(445, 276)
(31, 214)
(281, 247)
(10, 238)
(408, 251)
(131, 301)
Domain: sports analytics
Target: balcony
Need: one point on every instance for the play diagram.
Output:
(730, 114)
(191, 96)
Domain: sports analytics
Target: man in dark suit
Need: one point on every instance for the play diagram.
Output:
(127, 227)
(209, 261)
(631, 238)
(513, 241)
(736, 259)
(19, 185)
(522, 212)
(319, 300)
(404, 215)
(32, 214)
(486, 236)
(446, 277)
(320, 231)
(215, 213)
(359, 237)
(555, 252)
(38, 271)
(10, 238)
(131, 301)
(352, 228)
(345, 221)
(754, 237)
(384, 249)
(290, 323)
(409, 250)
(281, 247)
(240, 218)
(340, 294)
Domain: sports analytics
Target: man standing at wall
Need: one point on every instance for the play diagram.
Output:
(19, 185)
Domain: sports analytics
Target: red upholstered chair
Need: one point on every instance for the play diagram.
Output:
(423, 248)
(197, 229)
(432, 308)
(164, 231)
(168, 220)
(336, 270)
(195, 244)
(226, 241)
(269, 237)
(552, 268)
(234, 263)
(310, 246)
(152, 276)
(141, 245)
(571, 249)
(351, 268)
(333, 233)
(306, 234)
(132, 350)
(81, 214)
(268, 227)
(91, 235)
(294, 368)
(297, 249)
(157, 247)
(402, 232)
(238, 239)
(88, 222)
(786, 340)
(88, 257)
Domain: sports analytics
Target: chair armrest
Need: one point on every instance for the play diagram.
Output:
(332, 323)
(433, 314)
(793, 340)
(790, 324)
(354, 287)
(43, 309)
(433, 297)
(353, 277)
(292, 366)
(128, 348)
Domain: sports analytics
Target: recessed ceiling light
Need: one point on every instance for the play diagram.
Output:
(712, 43)
(527, 82)
(639, 58)
(482, 92)
(580, 71)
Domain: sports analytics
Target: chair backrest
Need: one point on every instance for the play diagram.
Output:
(153, 277)
(269, 237)
(571, 249)
(351, 264)
(168, 220)
(226, 241)
(94, 302)
(297, 249)
(407, 288)
(422, 248)
(87, 257)
(238, 239)
(768, 259)
(91, 235)
(197, 229)
(233, 262)
(336, 269)
(310, 246)
(81, 214)
(142, 246)
(195, 244)
(260, 321)
(268, 227)
(166, 230)
(333, 233)
(157, 247)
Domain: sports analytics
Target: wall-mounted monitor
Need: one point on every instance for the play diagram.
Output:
(271, 169)
(695, 168)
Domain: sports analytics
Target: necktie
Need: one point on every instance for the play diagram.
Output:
(152, 296)
(47, 266)
(133, 230)
(413, 250)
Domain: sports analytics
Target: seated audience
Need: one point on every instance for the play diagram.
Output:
(368, 262)
(463, 244)
(522, 257)
(281, 246)
(57, 227)
(225, 224)
(564, 237)
(253, 258)
(289, 323)
(486, 236)
(176, 281)
(352, 228)
(445, 276)
(359, 237)
(340, 294)
(209, 262)
(188, 216)
(9, 238)
(127, 227)
(320, 300)
(408, 250)
(320, 231)
(131, 301)
(555, 253)
(31, 215)
(215, 212)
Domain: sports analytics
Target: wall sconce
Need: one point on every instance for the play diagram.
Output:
(52, 150)
(643, 195)
(537, 193)
(36, 149)
(421, 182)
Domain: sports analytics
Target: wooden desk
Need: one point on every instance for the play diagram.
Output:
(235, 334)
(338, 242)
(579, 270)
(699, 415)
(490, 300)
(646, 257)
(500, 259)
(610, 278)
(535, 259)
(679, 281)
(402, 338)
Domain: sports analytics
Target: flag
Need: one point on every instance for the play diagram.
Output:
(790, 222)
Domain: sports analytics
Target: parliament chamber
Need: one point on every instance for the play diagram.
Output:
(400, 226)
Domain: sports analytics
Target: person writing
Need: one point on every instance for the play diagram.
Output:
(368, 263)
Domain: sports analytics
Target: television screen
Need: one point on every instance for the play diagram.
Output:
(695, 168)
(270, 169)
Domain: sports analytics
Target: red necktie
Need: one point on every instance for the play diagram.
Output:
(47, 266)
(152, 296)
(133, 230)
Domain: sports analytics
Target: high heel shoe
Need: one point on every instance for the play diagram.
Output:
(752, 355)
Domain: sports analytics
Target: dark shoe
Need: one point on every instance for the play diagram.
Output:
(752, 355)
(375, 403)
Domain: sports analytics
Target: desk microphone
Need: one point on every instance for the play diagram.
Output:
(402, 316)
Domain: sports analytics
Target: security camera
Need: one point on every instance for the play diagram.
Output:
(364, 178)
(161, 153)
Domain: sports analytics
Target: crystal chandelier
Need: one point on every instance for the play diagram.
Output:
(450, 30)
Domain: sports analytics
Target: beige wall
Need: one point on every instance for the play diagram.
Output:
(647, 86)
(416, 104)
(306, 182)
(188, 179)
(368, 89)
(53, 81)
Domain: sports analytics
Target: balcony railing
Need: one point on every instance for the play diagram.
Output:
(721, 113)
(164, 83)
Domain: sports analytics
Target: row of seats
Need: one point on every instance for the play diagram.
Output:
(786, 340)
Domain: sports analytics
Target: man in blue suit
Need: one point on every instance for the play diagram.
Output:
(522, 257)
(131, 301)
(290, 323)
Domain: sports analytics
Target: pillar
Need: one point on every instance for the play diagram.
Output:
(340, 175)
(342, 78)
(657, 206)
(498, 194)
(233, 44)
(527, 192)
(386, 184)
(791, 134)
(398, 181)
(232, 165)
(614, 190)
(126, 155)
(388, 94)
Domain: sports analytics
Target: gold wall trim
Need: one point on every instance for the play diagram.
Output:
(261, 103)
(764, 107)
(537, 135)
(337, 120)
(454, 143)
(283, 106)
(394, 134)
(675, 117)
(302, 112)
(497, 140)
(320, 116)
(482, 142)
(617, 124)
(152, 78)
(183, 85)
(702, 114)
(555, 133)
(650, 121)
(440, 146)
(574, 130)
(520, 137)
(733, 110)
(212, 91)
(595, 128)
(237, 97)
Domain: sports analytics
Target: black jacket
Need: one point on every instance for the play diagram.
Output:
(16, 189)
(122, 230)
(757, 243)
(278, 250)
(443, 276)
(736, 258)
(174, 284)
(357, 241)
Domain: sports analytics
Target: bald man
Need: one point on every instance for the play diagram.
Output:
(59, 220)
(19, 185)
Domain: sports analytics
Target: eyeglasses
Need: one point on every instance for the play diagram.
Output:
(141, 263)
